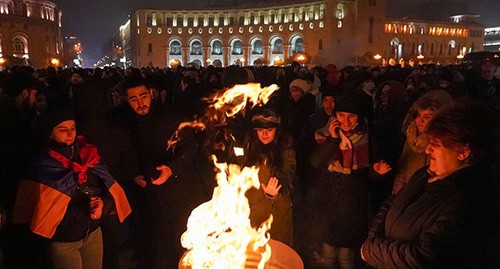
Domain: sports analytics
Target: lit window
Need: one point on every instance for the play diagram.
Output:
(217, 48)
(340, 11)
(153, 22)
(257, 47)
(196, 48)
(277, 46)
(237, 48)
(175, 48)
(298, 46)
(339, 24)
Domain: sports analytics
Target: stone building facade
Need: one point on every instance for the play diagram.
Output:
(30, 33)
(431, 42)
(317, 32)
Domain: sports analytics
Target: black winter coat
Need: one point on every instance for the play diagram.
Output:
(183, 189)
(444, 224)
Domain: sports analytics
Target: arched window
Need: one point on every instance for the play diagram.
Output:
(298, 45)
(19, 45)
(150, 48)
(217, 48)
(175, 48)
(237, 48)
(257, 47)
(277, 46)
(196, 48)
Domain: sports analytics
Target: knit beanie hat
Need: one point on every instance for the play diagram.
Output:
(54, 117)
(301, 84)
(266, 118)
(348, 102)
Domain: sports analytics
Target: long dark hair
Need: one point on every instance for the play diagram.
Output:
(270, 154)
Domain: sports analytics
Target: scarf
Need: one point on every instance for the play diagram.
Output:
(354, 149)
(89, 158)
(417, 142)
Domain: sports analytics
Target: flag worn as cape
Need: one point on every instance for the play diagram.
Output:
(59, 179)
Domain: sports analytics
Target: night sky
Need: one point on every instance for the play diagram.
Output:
(95, 21)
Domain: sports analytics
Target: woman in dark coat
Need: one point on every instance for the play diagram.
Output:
(447, 215)
(273, 153)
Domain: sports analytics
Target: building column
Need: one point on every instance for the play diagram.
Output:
(246, 54)
(286, 51)
(185, 55)
(225, 52)
(205, 51)
(267, 53)
(167, 57)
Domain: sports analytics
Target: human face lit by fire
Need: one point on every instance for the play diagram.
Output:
(424, 116)
(139, 99)
(64, 133)
(266, 135)
(328, 105)
(297, 93)
(348, 121)
(445, 160)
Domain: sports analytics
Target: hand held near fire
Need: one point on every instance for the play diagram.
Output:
(382, 167)
(96, 205)
(272, 189)
(334, 127)
(165, 174)
(140, 181)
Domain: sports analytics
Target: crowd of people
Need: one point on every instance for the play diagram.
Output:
(385, 167)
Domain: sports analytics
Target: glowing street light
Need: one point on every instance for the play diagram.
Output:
(420, 56)
(460, 56)
(54, 61)
(377, 56)
(2, 60)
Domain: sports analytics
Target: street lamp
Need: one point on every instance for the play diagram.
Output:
(377, 56)
(420, 57)
(54, 62)
(2, 60)
(460, 56)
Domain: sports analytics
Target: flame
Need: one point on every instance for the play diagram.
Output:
(237, 97)
(227, 103)
(219, 234)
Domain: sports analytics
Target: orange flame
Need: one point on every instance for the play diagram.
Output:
(228, 103)
(219, 233)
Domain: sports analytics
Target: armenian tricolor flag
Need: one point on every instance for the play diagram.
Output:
(58, 179)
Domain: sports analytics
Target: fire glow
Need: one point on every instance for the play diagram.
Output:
(219, 233)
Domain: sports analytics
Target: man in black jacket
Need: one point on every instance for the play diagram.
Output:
(170, 184)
